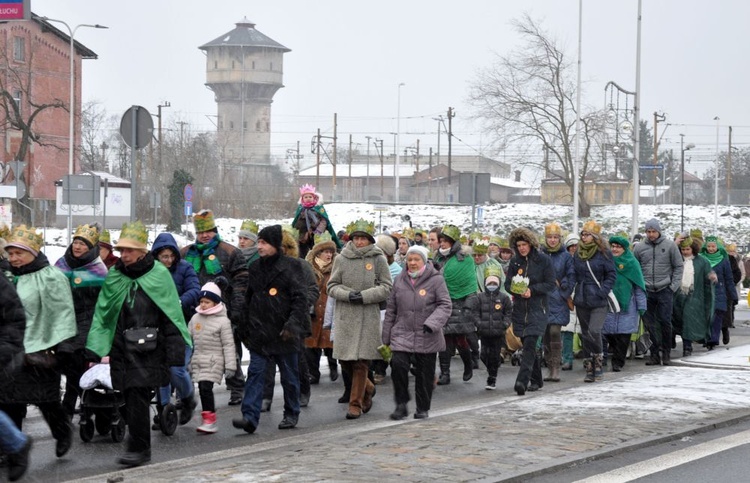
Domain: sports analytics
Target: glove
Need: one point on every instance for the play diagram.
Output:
(228, 374)
(286, 335)
(641, 312)
(355, 298)
(426, 329)
(735, 302)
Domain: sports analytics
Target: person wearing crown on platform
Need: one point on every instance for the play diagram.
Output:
(311, 219)
(138, 322)
(217, 261)
(246, 240)
(86, 272)
(50, 321)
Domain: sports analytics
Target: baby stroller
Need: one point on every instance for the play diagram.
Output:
(101, 406)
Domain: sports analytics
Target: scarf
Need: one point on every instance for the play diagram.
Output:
(628, 274)
(586, 250)
(550, 249)
(89, 274)
(211, 311)
(688, 274)
(716, 257)
(460, 277)
(415, 275)
(48, 303)
(119, 289)
(205, 254)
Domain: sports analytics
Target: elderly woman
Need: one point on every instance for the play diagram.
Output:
(138, 322)
(417, 310)
(725, 291)
(360, 281)
(85, 271)
(692, 309)
(50, 321)
(630, 290)
(595, 277)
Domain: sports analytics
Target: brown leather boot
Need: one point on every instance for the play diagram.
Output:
(359, 384)
(369, 393)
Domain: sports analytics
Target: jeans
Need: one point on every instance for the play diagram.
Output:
(256, 376)
(716, 324)
(303, 372)
(180, 379)
(658, 320)
(12, 440)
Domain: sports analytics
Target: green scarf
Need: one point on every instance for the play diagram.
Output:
(713, 258)
(117, 289)
(204, 254)
(554, 249)
(460, 277)
(628, 274)
(586, 250)
(48, 303)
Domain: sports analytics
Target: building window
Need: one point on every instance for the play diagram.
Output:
(253, 65)
(231, 125)
(257, 126)
(271, 66)
(216, 64)
(19, 49)
(244, 125)
(17, 100)
(232, 64)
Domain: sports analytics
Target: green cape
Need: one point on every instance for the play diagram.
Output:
(48, 303)
(321, 212)
(629, 273)
(158, 285)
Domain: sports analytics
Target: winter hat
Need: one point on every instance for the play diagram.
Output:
(571, 240)
(204, 221)
(653, 224)
(212, 292)
(552, 229)
(386, 244)
(592, 227)
(620, 240)
(419, 250)
(271, 235)
(249, 230)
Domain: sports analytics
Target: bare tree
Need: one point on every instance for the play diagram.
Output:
(528, 97)
(95, 130)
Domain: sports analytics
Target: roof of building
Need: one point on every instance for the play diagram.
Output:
(112, 180)
(358, 170)
(509, 183)
(47, 26)
(244, 35)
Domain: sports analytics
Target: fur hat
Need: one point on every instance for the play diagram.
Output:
(419, 250)
(204, 221)
(523, 234)
(212, 292)
(653, 224)
(272, 235)
(386, 244)
(289, 243)
(322, 243)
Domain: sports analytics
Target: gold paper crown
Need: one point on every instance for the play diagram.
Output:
(4, 231)
(88, 233)
(493, 271)
(696, 233)
(408, 233)
(291, 230)
(323, 238)
(686, 242)
(250, 225)
(204, 221)
(25, 237)
(362, 226)
(133, 235)
(552, 229)
(105, 237)
(592, 227)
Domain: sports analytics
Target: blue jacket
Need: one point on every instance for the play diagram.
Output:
(627, 322)
(588, 293)
(183, 274)
(565, 278)
(724, 288)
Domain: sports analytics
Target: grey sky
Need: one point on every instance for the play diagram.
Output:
(349, 56)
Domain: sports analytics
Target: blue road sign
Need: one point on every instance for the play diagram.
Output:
(188, 208)
(188, 192)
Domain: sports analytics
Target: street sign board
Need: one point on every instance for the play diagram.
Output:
(188, 192)
(467, 182)
(154, 199)
(652, 166)
(15, 9)
(81, 189)
(188, 208)
(144, 127)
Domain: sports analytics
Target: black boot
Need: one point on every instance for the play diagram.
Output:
(589, 366)
(725, 335)
(468, 364)
(445, 369)
(400, 413)
(665, 357)
(654, 359)
(188, 406)
(135, 458)
(18, 463)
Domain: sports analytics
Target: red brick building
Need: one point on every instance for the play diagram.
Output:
(35, 78)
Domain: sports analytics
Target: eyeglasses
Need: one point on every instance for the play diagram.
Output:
(585, 233)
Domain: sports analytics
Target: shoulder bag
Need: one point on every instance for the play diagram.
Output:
(612, 304)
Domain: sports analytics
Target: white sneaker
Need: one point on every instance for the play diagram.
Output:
(209, 428)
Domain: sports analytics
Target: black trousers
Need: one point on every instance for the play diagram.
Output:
(137, 412)
(618, 344)
(490, 354)
(206, 391)
(312, 357)
(424, 379)
(73, 367)
(531, 368)
(53, 414)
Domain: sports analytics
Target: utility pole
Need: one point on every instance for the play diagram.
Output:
(729, 167)
(451, 115)
(317, 159)
(657, 118)
(367, 179)
(350, 167)
(158, 116)
(382, 170)
(182, 131)
(333, 159)
(429, 180)
(416, 158)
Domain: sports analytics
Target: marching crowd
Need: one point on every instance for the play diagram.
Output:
(166, 320)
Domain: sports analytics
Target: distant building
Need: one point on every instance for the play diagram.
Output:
(35, 69)
(114, 203)
(244, 69)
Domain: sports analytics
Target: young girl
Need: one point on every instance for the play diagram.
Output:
(213, 350)
(311, 219)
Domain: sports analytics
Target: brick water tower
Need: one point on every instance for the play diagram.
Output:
(244, 69)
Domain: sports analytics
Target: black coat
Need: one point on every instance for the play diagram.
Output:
(150, 369)
(84, 299)
(494, 315)
(276, 300)
(12, 327)
(530, 314)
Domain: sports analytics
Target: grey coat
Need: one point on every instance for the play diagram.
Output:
(411, 307)
(213, 346)
(357, 326)
(661, 262)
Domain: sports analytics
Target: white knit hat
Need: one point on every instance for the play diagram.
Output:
(419, 250)
(212, 292)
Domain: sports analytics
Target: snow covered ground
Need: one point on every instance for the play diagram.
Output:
(733, 222)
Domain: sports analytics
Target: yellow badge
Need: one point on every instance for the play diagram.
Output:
(77, 280)
(520, 271)
(273, 292)
(212, 257)
(423, 292)
(621, 266)
(368, 266)
(198, 327)
(498, 306)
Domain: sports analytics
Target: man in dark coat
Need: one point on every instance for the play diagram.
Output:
(276, 316)
(219, 262)
(531, 277)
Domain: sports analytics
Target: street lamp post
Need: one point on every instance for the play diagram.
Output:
(367, 179)
(398, 135)
(71, 108)
(682, 180)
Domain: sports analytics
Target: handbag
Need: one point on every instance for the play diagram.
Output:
(142, 339)
(45, 359)
(612, 304)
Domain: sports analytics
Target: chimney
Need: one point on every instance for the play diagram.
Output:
(518, 175)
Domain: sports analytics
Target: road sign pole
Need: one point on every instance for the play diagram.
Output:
(133, 145)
